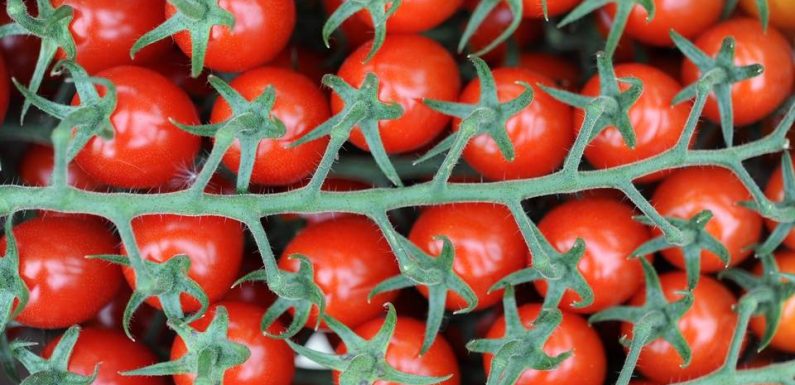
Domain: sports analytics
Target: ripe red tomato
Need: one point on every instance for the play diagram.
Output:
(775, 192)
(587, 364)
(487, 243)
(561, 70)
(657, 124)
(355, 31)
(213, 244)
(704, 327)
(255, 293)
(176, 67)
(271, 360)
(36, 170)
(757, 97)
(403, 352)
(304, 61)
(606, 264)
(689, 191)
(541, 133)
(416, 15)
(495, 23)
(534, 9)
(262, 29)
(147, 150)
(5, 90)
(350, 257)
(104, 31)
(113, 352)
(65, 287)
(687, 17)
(300, 105)
(782, 12)
(784, 338)
(19, 51)
(405, 80)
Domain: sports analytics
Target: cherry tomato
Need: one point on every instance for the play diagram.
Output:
(300, 105)
(494, 24)
(112, 352)
(657, 124)
(784, 339)
(255, 293)
(104, 31)
(147, 150)
(213, 244)
(176, 67)
(534, 8)
(37, 166)
(606, 264)
(707, 328)
(405, 80)
(350, 257)
(587, 364)
(307, 62)
(689, 191)
(271, 360)
(146, 320)
(65, 287)
(541, 133)
(562, 71)
(687, 17)
(19, 51)
(414, 16)
(782, 12)
(487, 244)
(262, 29)
(354, 30)
(403, 352)
(757, 97)
(775, 192)
(5, 90)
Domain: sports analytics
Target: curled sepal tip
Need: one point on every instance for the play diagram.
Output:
(623, 11)
(209, 353)
(379, 10)
(12, 287)
(364, 361)
(197, 17)
(52, 371)
(762, 7)
(479, 15)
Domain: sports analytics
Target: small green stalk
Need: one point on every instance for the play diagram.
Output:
(623, 10)
(761, 6)
(479, 15)
(52, 371)
(379, 10)
(12, 287)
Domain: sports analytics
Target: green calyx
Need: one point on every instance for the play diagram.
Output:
(52, 371)
(209, 353)
(623, 10)
(783, 226)
(197, 17)
(520, 348)
(761, 5)
(479, 15)
(51, 26)
(656, 319)
(12, 287)
(488, 116)
(251, 122)
(365, 362)
(379, 10)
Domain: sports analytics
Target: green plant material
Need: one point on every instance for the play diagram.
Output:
(379, 10)
(623, 10)
(12, 287)
(479, 15)
(52, 371)
(761, 6)
(783, 227)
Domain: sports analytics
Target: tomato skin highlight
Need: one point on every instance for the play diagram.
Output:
(147, 151)
(300, 105)
(271, 360)
(403, 352)
(407, 81)
(587, 364)
(784, 338)
(213, 244)
(415, 16)
(703, 327)
(541, 133)
(759, 96)
(775, 192)
(65, 287)
(262, 29)
(113, 352)
(350, 257)
(487, 243)
(688, 191)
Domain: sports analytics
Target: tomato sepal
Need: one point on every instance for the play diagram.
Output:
(762, 7)
(379, 13)
(12, 287)
(623, 10)
(52, 371)
(785, 223)
(479, 15)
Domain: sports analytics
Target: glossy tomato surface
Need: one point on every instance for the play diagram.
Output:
(534, 8)
(414, 16)
(494, 24)
(350, 257)
(587, 364)
(784, 339)
(405, 80)
(147, 150)
(36, 170)
(689, 191)
(486, 241)
(300, 105)
(782, 12)
(557, 68)
(687, 17)
(65, 287)
(775, 192)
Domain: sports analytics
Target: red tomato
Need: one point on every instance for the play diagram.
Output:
(329, 184)
(606, 264)
(541, 133)
(300, 105)
(304, 61)
(113, 352)
(147, 150)
(587, 364)
(641, 382)
(255, 293)
(262, 29)
(213, 244)
(687, 17)
(565, 73)
(487, 244)
(176, 67)
(271, 360)
(416, 15)
(146, 318)
(657, 124)
(784, 339)
(689, 191)
(19, 51)
(5, 89)
(356, 32)
(65, 287)
(775, 192)
(495, 23)
(350, 257)
(757, 97)
(405, 80)
(534, 9)
(36, 170)
(707, 328)
(782, 12)
(104, 31)
(403, 352)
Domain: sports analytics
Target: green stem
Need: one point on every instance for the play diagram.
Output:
(222, 143)
(467, 131)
